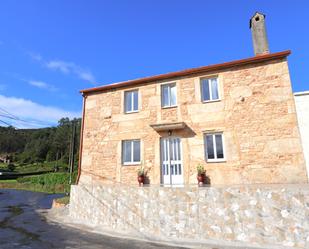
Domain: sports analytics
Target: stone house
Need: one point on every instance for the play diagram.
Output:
(237, 119)
(5, 159)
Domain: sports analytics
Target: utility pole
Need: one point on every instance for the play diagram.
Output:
(72, 147)
(70, 150)
(56, 166)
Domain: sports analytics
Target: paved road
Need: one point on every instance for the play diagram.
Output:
(23, 226)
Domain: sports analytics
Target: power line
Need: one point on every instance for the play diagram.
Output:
(21, 120)
(14, 117)
(3, 110)
(16, 121)
(7, 116)
(5, 123)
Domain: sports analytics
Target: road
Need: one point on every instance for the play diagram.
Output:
(24, 226)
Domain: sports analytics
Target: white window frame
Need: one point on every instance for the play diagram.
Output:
(210, 89)
(213, 134)
(162, 95)
(132, 152)
(132, 103)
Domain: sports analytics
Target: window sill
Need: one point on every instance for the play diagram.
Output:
(216, 161)
(211, 101)
(131, 112)
(131, 164)
(169, 107)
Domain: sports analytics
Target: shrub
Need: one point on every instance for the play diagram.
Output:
(11, 167)
(51, 182)
(49, 179)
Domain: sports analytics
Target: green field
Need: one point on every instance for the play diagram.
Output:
(48, 183)
(34, 167)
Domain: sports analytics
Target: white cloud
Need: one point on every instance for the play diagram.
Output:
(64, 67)
(39, 84)
(35, 56)
(42, 85)
(34, 115)
(86, 76)
(71, 68)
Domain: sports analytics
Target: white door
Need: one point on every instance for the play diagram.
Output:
(171, 161)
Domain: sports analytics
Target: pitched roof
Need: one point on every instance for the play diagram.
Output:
(215, 67)
(301, 93)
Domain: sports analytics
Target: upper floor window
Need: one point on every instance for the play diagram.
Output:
(168, 96)
(131, 101)
(214, 147)
(131, 152)
(210, 89)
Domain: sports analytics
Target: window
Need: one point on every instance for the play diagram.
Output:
(210, 89)
(131, 152)
(169, 93)
(131, 101)
(214, 147)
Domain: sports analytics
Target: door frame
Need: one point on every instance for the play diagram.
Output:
(169, 163)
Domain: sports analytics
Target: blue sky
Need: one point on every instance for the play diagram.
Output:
(49, 50)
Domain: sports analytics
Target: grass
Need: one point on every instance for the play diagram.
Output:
(64, 200)
(46, 179)
(34, 167)
(60, 188)
(8, 181)
(47, 183)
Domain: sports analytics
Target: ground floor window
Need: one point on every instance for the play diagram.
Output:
(131, 151)
(214, 147)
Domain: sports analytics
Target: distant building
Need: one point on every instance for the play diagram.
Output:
(5, 159)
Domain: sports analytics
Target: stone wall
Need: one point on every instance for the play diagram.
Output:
(259, 215)
(256, 114)
(302, 109)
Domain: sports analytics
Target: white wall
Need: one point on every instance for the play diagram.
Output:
(302, 109)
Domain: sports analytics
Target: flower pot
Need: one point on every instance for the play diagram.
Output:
(201, 179)
(140, 180)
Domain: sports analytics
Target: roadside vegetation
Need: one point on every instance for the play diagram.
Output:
(40, 150)
(48, 183)
(33, 167)
(34, 146)
(64, 200)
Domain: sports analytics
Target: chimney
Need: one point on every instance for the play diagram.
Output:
(259, 37)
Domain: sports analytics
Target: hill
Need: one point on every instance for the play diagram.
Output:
(28, 146)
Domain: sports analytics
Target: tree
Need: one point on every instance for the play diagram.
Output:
(11, 167)
(39, 145)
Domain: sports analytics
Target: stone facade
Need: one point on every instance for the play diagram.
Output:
(302, 109)
(256, 113)
(260, 215)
